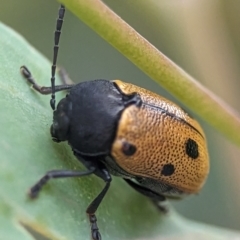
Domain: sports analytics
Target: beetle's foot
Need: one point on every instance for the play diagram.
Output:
(35, 189)
(163, 209)
(24, 71)
(96, 235)
(27, 74)
(94, 228)
(163, 206)
(33, 192)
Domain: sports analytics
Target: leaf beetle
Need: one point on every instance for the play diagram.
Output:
(117, 128)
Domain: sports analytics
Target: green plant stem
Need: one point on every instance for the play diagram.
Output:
(155, 64)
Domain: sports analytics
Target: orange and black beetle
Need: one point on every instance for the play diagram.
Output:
(120, 129)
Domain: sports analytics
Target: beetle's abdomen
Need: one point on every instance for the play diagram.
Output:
(160, 141)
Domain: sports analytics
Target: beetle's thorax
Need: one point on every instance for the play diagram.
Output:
(87, 118)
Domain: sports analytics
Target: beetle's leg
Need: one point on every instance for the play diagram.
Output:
(92, 208)
(157, 199)
(162, 206)
(65, 79)
(95, 167)
(102, 172)
(34, 190)
(41, 89)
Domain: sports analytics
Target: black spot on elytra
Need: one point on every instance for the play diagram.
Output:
(168, 170)
(192, 148)
(128, 148)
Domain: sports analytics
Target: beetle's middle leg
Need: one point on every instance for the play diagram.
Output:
(65, 79)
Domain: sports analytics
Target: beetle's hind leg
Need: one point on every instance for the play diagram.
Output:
(159, 200)
(162, 206)
(41, 89)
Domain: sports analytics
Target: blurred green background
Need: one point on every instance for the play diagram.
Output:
(202, 37)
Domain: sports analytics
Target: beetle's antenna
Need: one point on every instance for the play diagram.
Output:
(55, 51)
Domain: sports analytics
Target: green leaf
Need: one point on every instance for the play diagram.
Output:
(27, 152)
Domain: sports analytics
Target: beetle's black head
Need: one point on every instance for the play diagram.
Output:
(61, 120)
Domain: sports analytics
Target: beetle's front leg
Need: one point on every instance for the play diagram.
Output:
(41, 89)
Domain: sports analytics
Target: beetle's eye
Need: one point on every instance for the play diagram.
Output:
(168, 169)
(128, 148)
(192, 148)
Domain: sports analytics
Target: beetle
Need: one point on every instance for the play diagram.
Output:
(117, 128)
